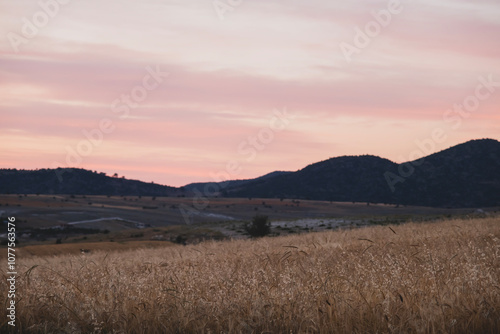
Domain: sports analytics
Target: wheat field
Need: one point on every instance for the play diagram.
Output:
(440, 277)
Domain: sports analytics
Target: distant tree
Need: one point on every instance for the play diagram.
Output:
(115, 175)
(260, 226)
(181, 239)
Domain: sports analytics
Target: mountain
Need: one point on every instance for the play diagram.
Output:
(347, 178)
(233, 184)
(77, 182)
(466, 175)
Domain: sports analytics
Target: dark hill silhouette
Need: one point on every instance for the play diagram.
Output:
(347, 178)
(77, 182)
(466, 175)
(202, 187)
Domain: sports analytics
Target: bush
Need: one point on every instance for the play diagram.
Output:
(260, 226)
(181, 239)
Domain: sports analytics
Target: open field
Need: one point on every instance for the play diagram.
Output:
(75, 248)
(45, 219)
(122, 240)
(411, 278)
(48, 211)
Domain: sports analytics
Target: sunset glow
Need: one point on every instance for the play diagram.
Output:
(179, 91)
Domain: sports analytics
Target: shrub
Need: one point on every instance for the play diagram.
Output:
(259, 227)
(181, 239)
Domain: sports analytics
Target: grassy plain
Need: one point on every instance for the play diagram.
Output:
(440, 277)
(47, 219)
(75, 248)
(41, 211)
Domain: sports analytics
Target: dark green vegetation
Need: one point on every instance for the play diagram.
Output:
(260, 226)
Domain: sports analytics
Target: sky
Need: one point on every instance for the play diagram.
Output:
(174, 92)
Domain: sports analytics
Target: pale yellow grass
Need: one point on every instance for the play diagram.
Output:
(414, 278)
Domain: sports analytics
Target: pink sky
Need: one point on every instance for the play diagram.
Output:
(228, 77)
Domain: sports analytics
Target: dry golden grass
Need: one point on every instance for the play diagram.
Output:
(413, 278)
(74, 248)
